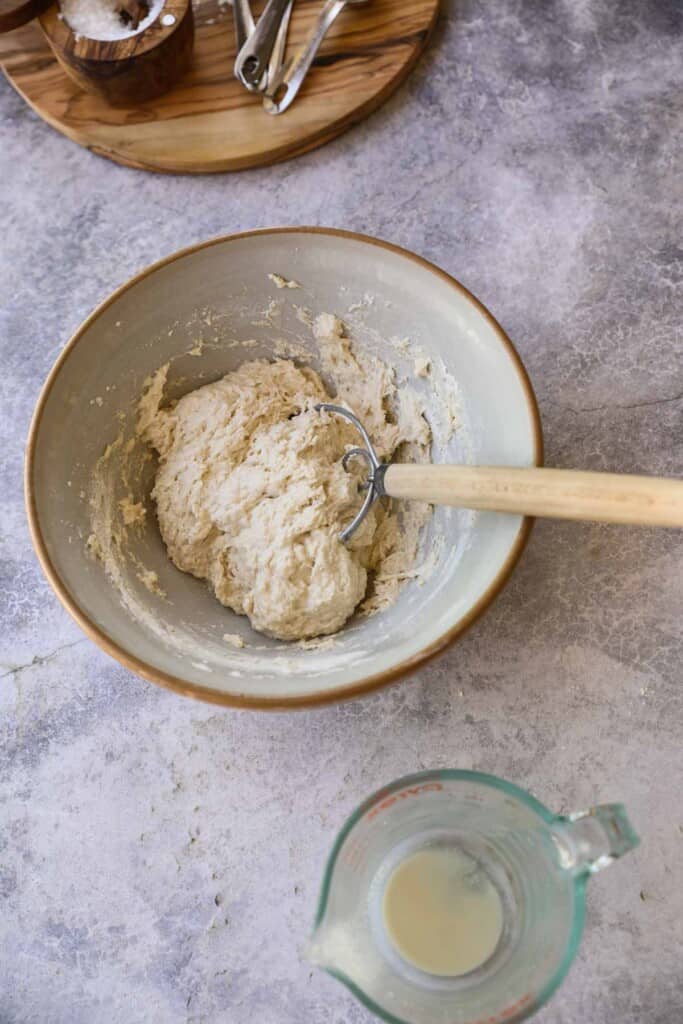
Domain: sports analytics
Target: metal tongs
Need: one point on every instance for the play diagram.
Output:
(284, 85)
(260, 48)
(259, 64)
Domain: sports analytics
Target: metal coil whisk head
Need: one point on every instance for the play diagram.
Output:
(374, 485)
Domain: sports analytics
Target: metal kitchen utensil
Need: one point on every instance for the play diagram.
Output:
(529, 491)
(283, 88)
(278, 55)
(244, 28)
(244, 22)
(251, 64)
(539, 862)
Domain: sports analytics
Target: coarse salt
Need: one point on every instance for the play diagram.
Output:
(101, 19)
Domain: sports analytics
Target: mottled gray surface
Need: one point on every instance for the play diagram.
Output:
(161, 858)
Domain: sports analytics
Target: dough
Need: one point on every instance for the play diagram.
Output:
(251, 494)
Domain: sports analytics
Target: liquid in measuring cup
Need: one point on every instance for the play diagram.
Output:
(441, 912)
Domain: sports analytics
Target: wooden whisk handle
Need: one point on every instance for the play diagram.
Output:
(554, 493)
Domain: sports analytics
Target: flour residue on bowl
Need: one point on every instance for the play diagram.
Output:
(132, 511)
(282, 282)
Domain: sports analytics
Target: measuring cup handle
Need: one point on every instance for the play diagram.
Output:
(590, 840)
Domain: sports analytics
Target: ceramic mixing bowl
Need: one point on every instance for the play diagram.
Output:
(204, 311)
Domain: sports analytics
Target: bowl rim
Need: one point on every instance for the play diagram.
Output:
(237, 700)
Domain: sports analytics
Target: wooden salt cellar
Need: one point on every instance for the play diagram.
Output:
(126, 71)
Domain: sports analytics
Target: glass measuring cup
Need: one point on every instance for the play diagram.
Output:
(539, 863)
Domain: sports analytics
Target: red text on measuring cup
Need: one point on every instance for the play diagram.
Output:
(426, 787)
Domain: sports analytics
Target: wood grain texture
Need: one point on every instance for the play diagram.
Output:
(14, 13)
(208, 122)
(125, 72)
(552, 493)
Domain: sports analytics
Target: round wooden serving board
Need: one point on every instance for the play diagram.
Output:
(208, 122)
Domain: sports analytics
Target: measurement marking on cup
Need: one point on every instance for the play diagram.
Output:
(427, 787)
(353, 854)
(510, 1011)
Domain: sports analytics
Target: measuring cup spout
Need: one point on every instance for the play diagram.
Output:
(589, 841)
(323, 947)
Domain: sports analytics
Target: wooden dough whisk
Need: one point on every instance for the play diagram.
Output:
(529, 491)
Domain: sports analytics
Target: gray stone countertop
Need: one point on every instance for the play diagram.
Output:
(160, 858)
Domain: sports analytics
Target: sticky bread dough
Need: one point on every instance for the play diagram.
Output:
(251, 494)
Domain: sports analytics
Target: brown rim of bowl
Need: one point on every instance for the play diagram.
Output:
(206, 693)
